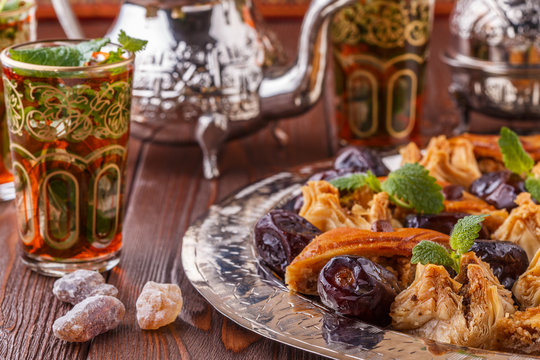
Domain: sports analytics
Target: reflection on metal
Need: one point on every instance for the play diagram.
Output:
(362, 89)
(402, 86)
(494, 56)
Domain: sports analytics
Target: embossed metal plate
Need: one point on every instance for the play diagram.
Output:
(220, 261)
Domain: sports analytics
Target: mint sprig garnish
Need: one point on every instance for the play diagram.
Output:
(413, 185)
(518, 161)
(410, 187)
(128, 43)
(515, 158)
(462, 239)
(77, 55)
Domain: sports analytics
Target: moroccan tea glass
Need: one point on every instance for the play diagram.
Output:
(380, 53)
(16, 26)
(68, 130)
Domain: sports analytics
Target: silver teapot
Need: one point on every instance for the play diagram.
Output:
(209, 73)
(494, 56)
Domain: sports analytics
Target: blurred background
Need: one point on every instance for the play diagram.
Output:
(269, 8)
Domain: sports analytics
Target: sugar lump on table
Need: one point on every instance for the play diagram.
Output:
(158, 305)
(89, 318)
(78, 285)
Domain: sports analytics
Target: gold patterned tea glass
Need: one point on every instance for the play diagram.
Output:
(380, 53)
(16, 26)
(68, 129)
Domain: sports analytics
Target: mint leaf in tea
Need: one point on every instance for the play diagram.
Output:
(83, 54)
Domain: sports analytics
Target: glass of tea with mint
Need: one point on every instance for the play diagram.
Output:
(68, 111)
(380, 50)
(17, 25)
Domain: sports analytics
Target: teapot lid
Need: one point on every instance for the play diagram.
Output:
(500, 31)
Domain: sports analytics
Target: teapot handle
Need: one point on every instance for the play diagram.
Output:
(67, 19)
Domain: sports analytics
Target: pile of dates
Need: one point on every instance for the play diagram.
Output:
(359, 287)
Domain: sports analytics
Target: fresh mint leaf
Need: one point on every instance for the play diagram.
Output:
(465, 232)
(429, 252)
(515, 158)
(349, 183)
(461, 240)
(355, 181)
(373, 182)
(131, 44)
(128, 44)
(411, 186)
(59, 56)
(76, 55)
(532, 184)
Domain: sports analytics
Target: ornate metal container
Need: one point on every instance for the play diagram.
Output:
(494, 56)
(208, 72)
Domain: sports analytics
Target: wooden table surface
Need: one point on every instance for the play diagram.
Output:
(166, 193)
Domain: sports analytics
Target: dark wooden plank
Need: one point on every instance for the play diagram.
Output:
(27, 306)
(164, 189)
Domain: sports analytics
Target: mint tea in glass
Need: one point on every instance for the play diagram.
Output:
(68, 125)
(380, 50)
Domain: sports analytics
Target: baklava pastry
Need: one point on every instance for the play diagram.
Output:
(322, 208)
(527, 288)
(520, 332)
(301, 275)
(522, 227)
(451, 161)
(462, 311)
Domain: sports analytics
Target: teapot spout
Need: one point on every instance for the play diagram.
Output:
(297, 88)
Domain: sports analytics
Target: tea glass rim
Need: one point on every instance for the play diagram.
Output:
(28, 5)
(9, 62)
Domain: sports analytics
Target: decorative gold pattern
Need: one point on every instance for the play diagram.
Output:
(25, 220)
(14, 107)
(113, 206)
(50, 113)
(28, 224)
(356, 120)
(347, 61)
(383, 23)
(47, 213)
(400, 134)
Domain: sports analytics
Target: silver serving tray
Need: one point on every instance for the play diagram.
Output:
(219, 259)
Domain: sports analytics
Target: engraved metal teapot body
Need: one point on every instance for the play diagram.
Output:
(209, 72)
